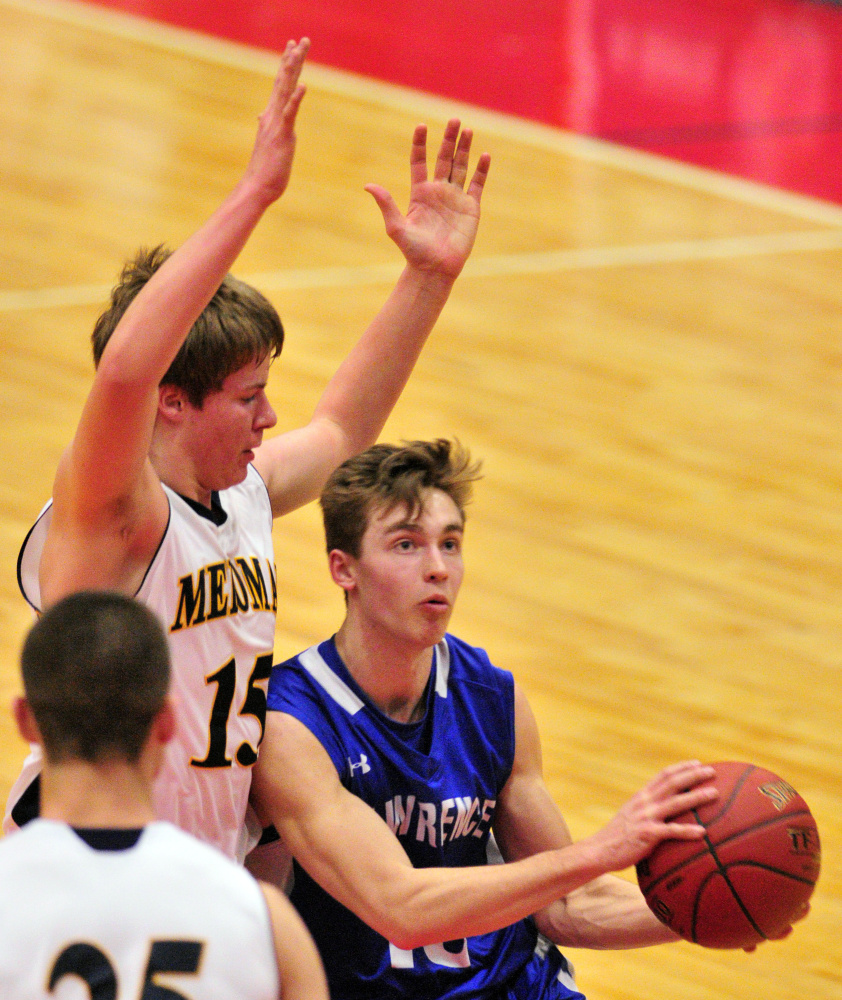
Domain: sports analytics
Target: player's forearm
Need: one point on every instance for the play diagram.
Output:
(156, 323)
(425, 906)
(608, 913)
(366, 386)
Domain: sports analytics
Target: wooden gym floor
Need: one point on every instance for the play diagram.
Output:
(645, 355)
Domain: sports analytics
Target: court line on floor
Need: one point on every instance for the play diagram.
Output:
(406, 100)
(501, 265)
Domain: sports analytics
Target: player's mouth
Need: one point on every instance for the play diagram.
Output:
(438, 602)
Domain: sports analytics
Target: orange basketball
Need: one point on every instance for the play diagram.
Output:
(752, 872)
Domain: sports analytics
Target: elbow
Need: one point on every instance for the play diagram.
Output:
(408, 936)
(402, 928)
(404, 920)
(556, 924)
(403, 938)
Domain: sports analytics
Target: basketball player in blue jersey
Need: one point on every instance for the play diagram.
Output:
(97, 897)
(168, 489)
(393, 752)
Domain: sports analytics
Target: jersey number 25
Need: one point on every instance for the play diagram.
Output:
(90, 965)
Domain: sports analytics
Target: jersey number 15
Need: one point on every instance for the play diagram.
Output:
(254, 704)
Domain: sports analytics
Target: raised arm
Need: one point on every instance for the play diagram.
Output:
(109, 510)
(351, 852)
(436, 237)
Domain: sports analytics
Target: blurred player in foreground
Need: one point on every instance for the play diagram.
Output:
(97, 890)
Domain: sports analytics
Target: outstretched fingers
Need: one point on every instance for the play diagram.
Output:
(418, 156)
(452, 161)
(447, 150)
(437, 233)
(461, 155)
(286, 93)
(480, 177)
(274, 147)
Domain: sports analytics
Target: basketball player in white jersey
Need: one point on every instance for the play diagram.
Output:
(97, 894)
(168, 490)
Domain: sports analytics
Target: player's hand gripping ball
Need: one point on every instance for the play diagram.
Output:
(751, 874)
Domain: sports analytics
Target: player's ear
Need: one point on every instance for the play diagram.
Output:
(161, 731)
(164, 723)
(25, 721)
(342, 569)
(171, 402)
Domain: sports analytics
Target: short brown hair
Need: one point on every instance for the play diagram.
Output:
(387, 475)
(238, 325)
(96, 670)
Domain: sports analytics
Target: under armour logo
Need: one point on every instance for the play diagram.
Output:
(362, 764)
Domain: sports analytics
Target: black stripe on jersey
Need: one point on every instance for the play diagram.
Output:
(216, 513)
(107, 839)
(28, 806)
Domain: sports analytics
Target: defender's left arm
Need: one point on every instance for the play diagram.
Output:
(608, 912)
(436, 237)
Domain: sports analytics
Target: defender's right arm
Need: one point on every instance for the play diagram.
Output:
(109, 510)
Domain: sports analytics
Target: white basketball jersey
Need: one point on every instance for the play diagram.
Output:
(169, 912)
(213, 587)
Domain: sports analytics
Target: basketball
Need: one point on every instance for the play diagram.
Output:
(751, 873)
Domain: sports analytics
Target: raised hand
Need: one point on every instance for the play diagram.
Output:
(646, 819)
(271, 159)
(438, 231)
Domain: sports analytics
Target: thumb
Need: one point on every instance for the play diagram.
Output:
(388, 207)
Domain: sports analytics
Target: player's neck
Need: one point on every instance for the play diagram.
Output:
(175, 469)
(90, 796)
(393, 673)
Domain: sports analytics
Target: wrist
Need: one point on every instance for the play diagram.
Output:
(586, 859)
(431, 281)
(254, 194)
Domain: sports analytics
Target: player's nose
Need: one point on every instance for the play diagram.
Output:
(436, 567)
(266, 416)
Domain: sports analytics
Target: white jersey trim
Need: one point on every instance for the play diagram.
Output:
(312, 661)
(442, 668)
(316, 666)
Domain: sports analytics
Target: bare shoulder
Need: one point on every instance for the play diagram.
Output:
(291, 748)
(108, 545)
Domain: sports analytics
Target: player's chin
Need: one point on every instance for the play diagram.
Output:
(436, 611)
(436, 618)
(233, 477)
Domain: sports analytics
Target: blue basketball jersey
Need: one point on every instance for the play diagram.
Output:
(435, 783)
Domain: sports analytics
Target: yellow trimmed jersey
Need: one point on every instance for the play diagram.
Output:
(212, 584)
